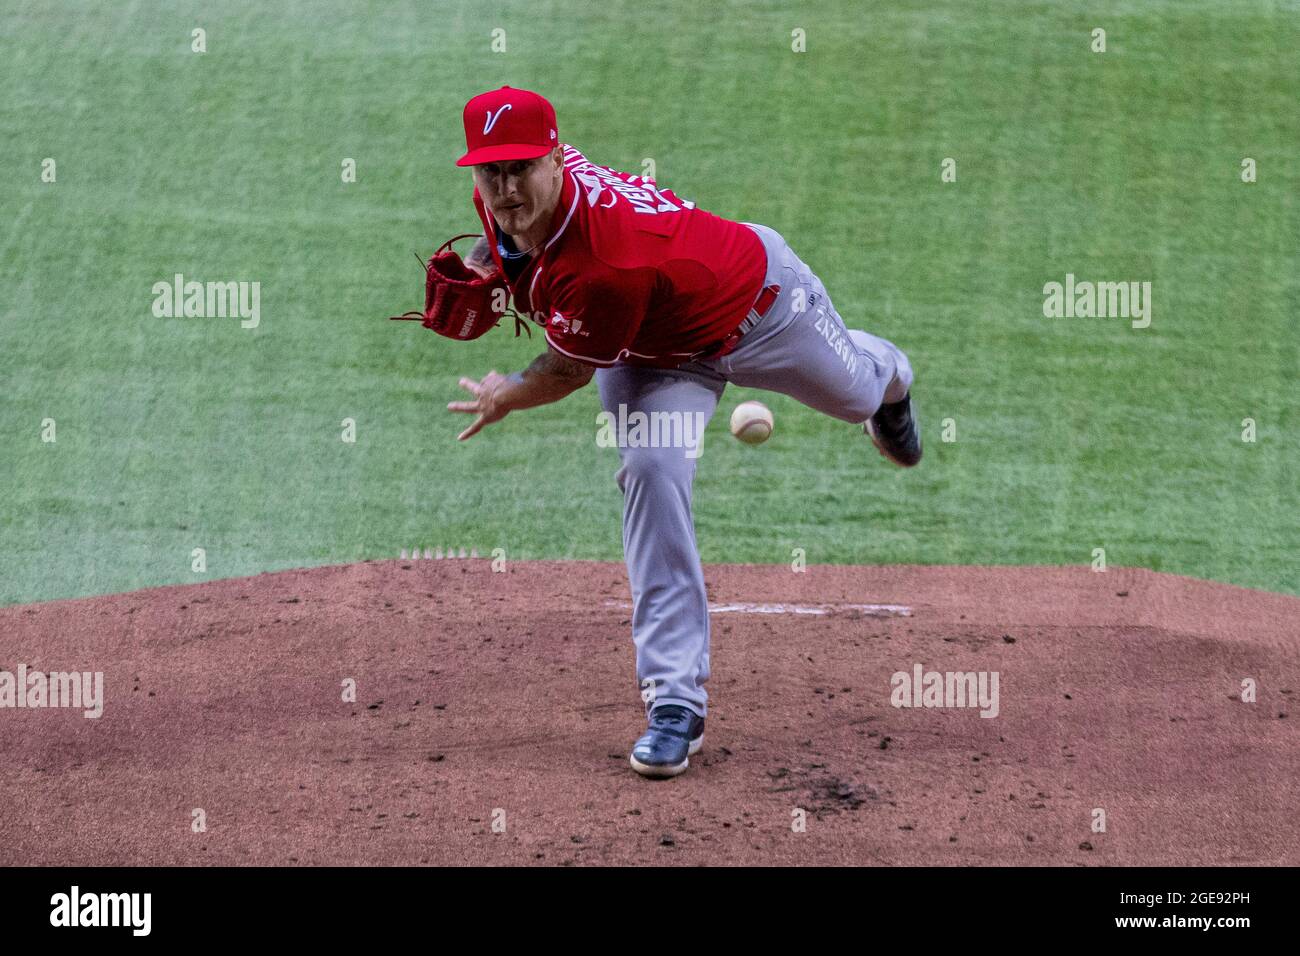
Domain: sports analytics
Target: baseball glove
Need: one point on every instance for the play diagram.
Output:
(459, 302)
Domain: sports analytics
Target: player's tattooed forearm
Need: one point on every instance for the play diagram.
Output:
(481, 254)
(556, 365)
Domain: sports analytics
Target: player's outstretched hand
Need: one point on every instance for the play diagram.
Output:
(485, 403)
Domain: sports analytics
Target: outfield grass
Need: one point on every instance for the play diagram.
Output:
(1071, 434)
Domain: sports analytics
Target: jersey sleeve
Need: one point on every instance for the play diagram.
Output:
(596, 320)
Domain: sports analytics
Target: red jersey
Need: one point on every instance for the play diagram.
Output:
(630, 273)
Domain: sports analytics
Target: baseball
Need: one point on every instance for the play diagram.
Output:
(751, 422)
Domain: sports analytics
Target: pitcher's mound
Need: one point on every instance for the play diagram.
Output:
(494, 712)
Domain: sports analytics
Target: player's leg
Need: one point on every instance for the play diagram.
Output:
(802, 347)
(670, 618)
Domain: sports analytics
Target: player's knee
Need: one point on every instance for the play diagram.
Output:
(854, 404)
(666, 467)
(893, 370)
(866, 404)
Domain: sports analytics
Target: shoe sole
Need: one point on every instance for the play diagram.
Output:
(660, 771)
(871, 433)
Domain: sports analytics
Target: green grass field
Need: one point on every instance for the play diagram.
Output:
(1072, 434)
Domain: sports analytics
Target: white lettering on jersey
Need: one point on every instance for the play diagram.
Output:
(643, 195)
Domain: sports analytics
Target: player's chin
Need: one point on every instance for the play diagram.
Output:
(514, 220)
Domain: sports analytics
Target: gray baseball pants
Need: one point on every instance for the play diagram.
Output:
(800, 348)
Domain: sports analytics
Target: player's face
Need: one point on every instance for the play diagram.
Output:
(520, 193)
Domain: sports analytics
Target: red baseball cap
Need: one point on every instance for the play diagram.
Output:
(508, 124)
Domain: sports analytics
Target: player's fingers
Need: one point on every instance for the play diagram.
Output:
(469, 385)
(463, 406)
(473, 429)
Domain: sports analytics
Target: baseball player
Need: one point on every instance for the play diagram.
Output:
(664, 303)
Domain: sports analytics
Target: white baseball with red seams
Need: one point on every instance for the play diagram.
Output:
(752, 422)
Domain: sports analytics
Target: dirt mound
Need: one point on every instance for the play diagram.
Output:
(509, 698)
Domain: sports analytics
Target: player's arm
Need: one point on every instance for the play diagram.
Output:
(548, 379)
(480, 257)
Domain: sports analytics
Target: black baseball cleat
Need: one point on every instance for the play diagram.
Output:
(893, 431)
(674, 733)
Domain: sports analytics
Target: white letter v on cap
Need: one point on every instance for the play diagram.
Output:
(492, 120)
